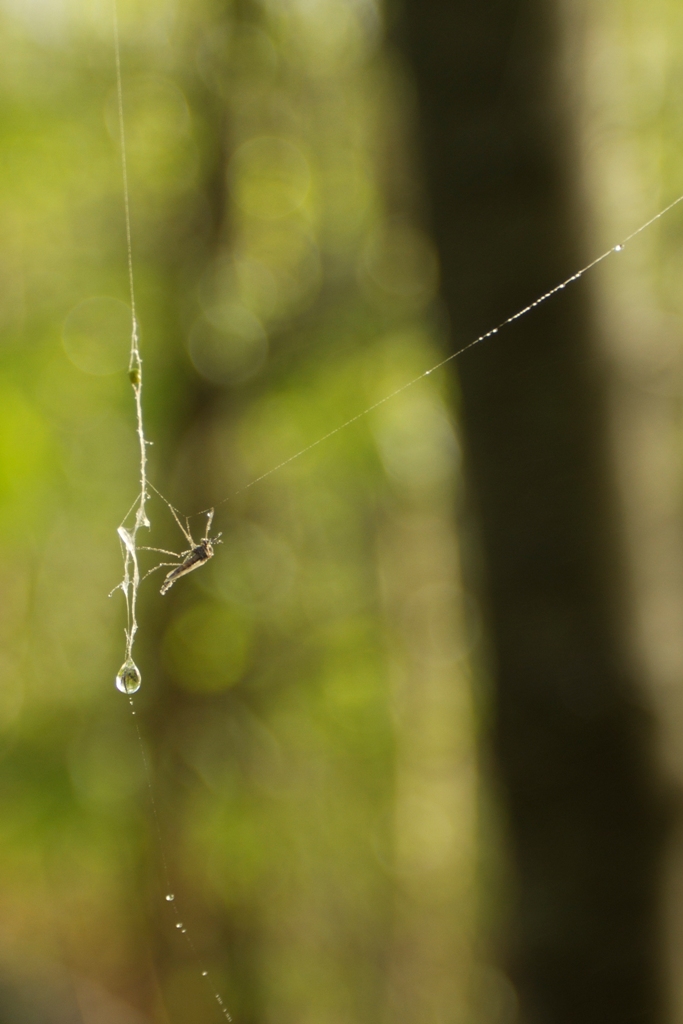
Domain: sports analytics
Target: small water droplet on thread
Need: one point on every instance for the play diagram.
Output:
(427, 372)
(179, 924)
(183, 931)
(170, 897)
(205, 974)
(128, 678)
(618, 248)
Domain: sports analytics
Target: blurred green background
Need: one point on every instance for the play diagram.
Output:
(295, 704)
(313, 698)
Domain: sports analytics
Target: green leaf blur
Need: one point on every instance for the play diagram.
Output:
(304, 715)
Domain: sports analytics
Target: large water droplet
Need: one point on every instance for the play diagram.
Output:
(128, 678)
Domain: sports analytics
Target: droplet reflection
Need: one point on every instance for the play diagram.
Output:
(128, 678)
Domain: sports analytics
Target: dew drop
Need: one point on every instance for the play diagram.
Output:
(183, 931)
(128, 678)
(618, 248)
(204, 974)
(179, 924)
(170, 897)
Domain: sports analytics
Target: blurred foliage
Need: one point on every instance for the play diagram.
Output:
(305, 710)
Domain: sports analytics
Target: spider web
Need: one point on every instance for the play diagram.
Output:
(128, 678)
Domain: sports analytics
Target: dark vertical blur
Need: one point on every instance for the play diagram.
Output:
(573, 743)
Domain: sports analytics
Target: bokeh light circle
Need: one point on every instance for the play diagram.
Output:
(96, 335)
(269, 177)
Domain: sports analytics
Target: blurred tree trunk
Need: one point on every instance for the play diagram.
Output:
(573, 743)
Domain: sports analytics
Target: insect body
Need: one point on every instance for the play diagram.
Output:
(196, 554)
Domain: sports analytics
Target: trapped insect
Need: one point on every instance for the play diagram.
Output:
(196, 554)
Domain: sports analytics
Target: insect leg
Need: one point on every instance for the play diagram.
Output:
(185, 530)
(162, 565)
(163, 551)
